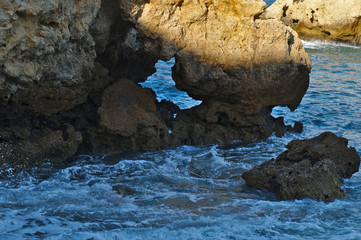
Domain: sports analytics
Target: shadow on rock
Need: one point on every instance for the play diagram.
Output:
(311, 168)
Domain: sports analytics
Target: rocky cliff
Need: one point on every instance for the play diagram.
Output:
(321, 19)
(238, 65)
(69, 73)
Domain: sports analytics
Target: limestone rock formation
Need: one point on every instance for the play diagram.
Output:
(69, 69)
(321, 19)
(239, 65)
(311, 168)
(46, 55)
(224, 52)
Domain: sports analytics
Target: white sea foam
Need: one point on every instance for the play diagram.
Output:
(318, 44)
(196, 192)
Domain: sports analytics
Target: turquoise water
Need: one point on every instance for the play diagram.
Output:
(193, 192)
(269, 2)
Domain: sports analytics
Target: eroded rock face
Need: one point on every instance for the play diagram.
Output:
(239, 65)
(312, 168)
(322, 19)
(68, 74)
(56, 59)
(46, 55)
(224, 52)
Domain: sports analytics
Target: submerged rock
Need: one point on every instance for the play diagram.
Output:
(323, 20)
(123, 190)
(312, 168)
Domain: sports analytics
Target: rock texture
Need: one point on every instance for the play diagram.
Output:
(239, 65)
(311, 168)
(129, 120)
(321, 19)
(56, 60)
(224, 52)
(46, 56)
(69, 72)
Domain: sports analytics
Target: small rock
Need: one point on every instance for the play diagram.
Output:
(311, 168)
(123, 190)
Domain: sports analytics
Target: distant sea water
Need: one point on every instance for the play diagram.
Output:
(269, 2)
(196, 192)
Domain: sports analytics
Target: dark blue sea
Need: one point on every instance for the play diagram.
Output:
(196, 192)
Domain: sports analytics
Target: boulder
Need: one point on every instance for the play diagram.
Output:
(321, 19)
(311, 168)
(124, 191)
(216, 122)
(129, 120)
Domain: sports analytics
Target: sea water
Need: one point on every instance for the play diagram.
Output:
(196, 192)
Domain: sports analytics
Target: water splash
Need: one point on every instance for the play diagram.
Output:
(196, 192)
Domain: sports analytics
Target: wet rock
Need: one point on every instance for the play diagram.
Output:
(312, 168)
(167, 111)
(123, 190)
(339, 21)
(215, 122)
(43, 145)
(128, 120)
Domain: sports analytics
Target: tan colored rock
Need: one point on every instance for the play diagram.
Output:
(338, 20)
(46, 54)
(224, 51)
(129, 120)
(239, 65)
(64, 64)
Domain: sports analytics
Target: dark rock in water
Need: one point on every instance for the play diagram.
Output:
(128, 120)
(123, 190)
(311, 168)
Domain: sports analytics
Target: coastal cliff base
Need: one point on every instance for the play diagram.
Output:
(70, 74)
